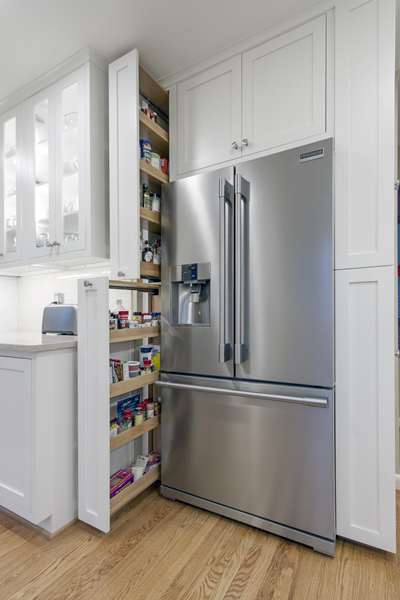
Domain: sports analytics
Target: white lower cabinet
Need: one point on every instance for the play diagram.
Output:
(38, 437)
(365, 410)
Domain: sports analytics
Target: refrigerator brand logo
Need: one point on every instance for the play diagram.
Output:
(312, 155)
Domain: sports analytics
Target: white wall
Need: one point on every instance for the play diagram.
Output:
(36, 291)
(8, 303)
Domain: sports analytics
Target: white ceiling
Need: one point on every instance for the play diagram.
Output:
(37, 35)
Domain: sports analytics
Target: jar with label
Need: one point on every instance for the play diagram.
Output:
(146, 319)
(157, 409)
(150, 410)
(145, 150)
(127, 424)
(155, 202)
(138, 415)
(147, 366)
(143, 190)
(156, 256)
(147, 254)
(137, 317)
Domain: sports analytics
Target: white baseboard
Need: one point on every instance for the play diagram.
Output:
(397, 482)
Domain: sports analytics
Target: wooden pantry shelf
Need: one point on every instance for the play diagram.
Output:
(123, 387)
(150, 270)
(153, 174)
(131, 434)
(150, 220)
(134, 489)
(158, 137)
(154, 91)
(138, 333)
(135, 286)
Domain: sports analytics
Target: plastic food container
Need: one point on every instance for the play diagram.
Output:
(146, 353)
(134, 368)
(155, 160)
(145, 151)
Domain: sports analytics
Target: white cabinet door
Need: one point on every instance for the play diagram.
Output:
(208, 117)
(365, 411)
(124, 167)
(56, 188)
(11, 186)
(364, 133)
(94, 403)
(283, 94)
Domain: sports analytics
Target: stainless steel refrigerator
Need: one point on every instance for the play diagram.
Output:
(247, 341)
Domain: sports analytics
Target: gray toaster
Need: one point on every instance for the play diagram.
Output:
(60, 318)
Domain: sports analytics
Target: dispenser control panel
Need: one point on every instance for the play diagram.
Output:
(189, 273)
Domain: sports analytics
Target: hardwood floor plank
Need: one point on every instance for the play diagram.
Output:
(163, 550)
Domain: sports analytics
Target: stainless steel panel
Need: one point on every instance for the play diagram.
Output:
(285, 304)
(265, 456)
(192, 227)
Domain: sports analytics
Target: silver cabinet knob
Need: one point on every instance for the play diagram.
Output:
(49, 245)
(245, 142)
(55, 243)
(234, 145)
(121, 274)
(1, 254)
(87, 283)
(397, 353)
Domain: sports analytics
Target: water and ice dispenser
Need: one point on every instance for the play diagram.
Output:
(190, 294)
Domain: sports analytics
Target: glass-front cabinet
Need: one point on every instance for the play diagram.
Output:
(10, 186)
(56, 181)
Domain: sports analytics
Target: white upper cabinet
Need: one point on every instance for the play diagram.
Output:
(269, 96)
(209, 113)
(364, 133)
(54, 157)
(10, 187)
(283, 95)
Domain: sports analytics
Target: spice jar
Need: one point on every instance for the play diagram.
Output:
(147, 366)
(150, 410)
(157, 409)
(138, 415)
(127, 424)
(137, 316)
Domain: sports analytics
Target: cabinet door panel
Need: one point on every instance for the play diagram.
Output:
(208, 116)
(124, 167)
(284, 88)
(70, 137)
(10, 186)
(16, 436)
(40, 224)
(365, 411)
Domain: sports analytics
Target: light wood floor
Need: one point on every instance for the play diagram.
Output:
(163, 550)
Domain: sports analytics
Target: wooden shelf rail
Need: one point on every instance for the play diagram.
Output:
(131, 434)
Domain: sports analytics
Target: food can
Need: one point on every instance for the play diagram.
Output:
(145, 150)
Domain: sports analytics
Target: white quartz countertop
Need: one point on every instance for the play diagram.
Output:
(29, 341)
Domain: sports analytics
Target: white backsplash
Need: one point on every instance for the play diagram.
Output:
(8, 303)
(36, 291)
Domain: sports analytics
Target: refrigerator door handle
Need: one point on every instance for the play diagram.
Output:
(242, 189)
(225, 228)
(319, 402)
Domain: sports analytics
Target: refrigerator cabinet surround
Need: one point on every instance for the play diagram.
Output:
(258, 453)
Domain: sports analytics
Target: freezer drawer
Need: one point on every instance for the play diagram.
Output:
(260, 449)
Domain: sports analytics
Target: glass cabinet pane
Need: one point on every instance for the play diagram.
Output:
(10, 184)
(70, 163)
(41, 158)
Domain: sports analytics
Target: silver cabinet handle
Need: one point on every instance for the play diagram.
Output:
(245, 142)
(225, 262)
(121, 274)
(234, 145)
(321, 402)
(241, 196)
(87, 283)
(55, 243)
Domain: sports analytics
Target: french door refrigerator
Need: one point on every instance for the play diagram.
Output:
(247, 382)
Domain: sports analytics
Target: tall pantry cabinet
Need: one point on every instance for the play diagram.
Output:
(99, 456)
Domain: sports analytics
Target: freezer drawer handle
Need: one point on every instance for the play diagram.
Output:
(225, 204)
(320, 402)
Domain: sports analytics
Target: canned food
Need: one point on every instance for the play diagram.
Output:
(145, 150)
